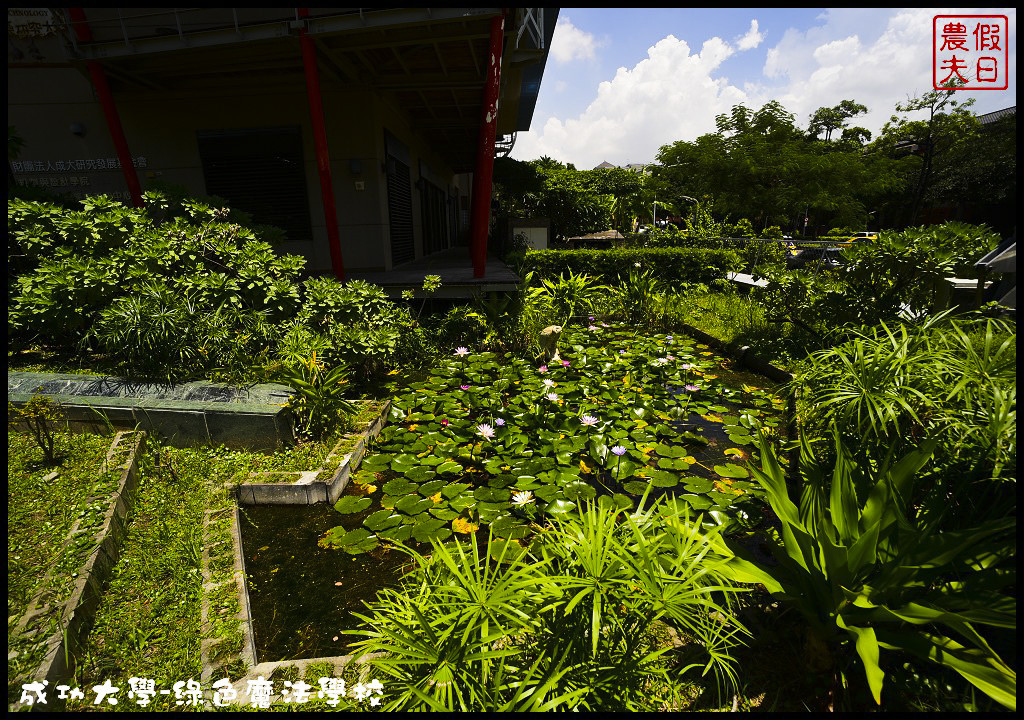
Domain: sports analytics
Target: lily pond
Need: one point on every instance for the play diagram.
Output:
(485, 440)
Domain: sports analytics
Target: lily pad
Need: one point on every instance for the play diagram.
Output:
(505, 549)
(635, 487)
(348, 504)
(461, 502)
(431, 488)
(413, 504)
(449, 467)
(404, 462)
(352, 541)
(376, 463)
(489, 494)
(698, 485)
(664, 480)
(399, 533)
(509, 526)
(697, 502)
(400, 486)
(731, 470)
(577, 491)
(443, 513)
(560, 507)
(431, 529)
(453, 489)
(420, 474)
(382, 520)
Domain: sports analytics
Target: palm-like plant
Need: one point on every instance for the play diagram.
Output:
(864, 573)
(571, 296)
(319, 402)
(566, 623)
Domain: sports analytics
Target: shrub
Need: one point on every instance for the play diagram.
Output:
(670, 265)
(74, 265)
(867, 573)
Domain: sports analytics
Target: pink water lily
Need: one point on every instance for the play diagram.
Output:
(542, 369)
(619, 450)
(464, 387)
(461, 351)
(486, 430)
(692, 388)
(588, 420)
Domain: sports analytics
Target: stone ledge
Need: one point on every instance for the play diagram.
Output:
(309, 488)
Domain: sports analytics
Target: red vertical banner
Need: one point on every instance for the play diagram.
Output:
(323, 157)
(99, 82)
(484, 173)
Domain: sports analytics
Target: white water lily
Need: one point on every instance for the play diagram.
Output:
(522, 498)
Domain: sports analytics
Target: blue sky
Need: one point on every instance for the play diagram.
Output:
(620, 83)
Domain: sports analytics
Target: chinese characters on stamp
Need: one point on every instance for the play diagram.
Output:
(970, 52)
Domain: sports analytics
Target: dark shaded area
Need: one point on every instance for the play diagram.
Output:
(297, 606)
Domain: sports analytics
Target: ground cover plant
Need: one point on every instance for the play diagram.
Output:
(45, 501)
(148, 624)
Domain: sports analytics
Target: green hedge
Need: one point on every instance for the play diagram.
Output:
(673, 265)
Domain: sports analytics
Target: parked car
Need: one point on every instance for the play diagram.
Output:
(860, 237)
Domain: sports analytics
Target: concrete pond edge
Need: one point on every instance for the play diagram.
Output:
(309, 489)
(305, 491)
(79, 611)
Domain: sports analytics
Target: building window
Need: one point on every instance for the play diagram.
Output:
(261, 172)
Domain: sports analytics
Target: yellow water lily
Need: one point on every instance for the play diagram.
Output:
(413, 426)
(710, 417)
(583, 467)
(436, 497)
(369, 489)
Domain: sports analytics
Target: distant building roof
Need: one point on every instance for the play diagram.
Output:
(604, 235)
(997, 115)
(605, 165)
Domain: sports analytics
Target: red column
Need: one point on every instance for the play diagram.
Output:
(323, 157)
(482, 176)
(99, 82)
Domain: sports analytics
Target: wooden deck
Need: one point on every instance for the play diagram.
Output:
(455, 268)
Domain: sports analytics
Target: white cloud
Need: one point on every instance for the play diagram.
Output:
(752, 39)
(875, 57)
(667, 96)
(570, 43)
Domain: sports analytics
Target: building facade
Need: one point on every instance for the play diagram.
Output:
(358, 131)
